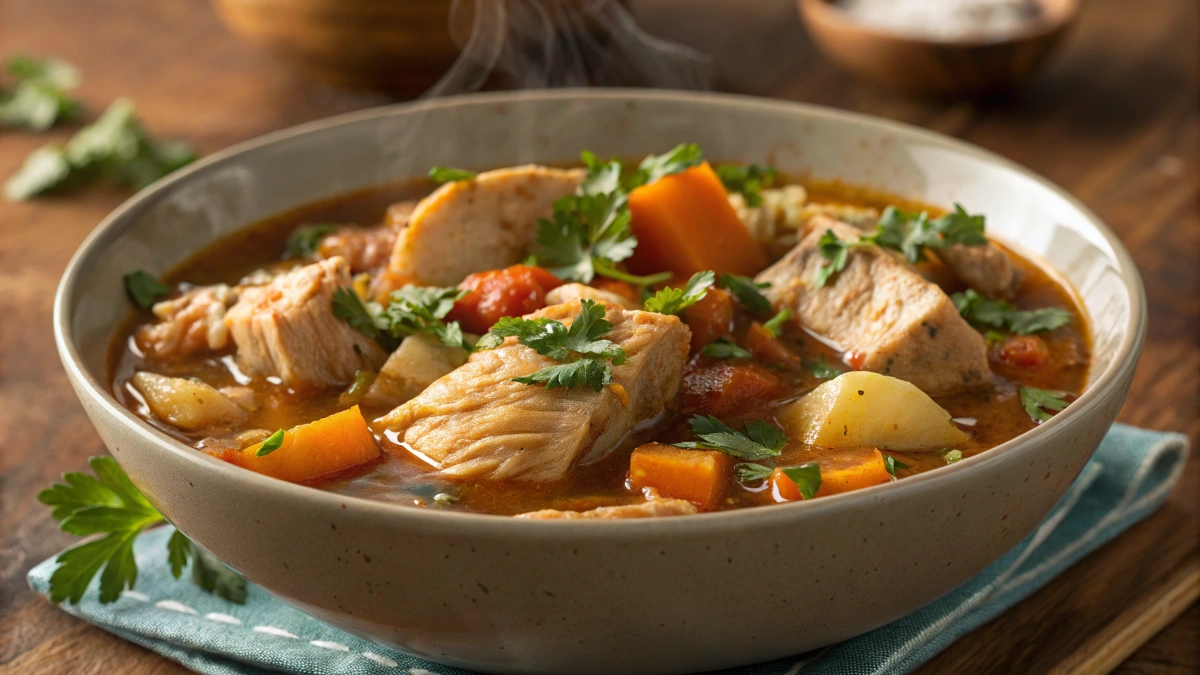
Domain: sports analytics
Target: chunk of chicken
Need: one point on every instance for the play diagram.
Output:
(786, 210)
(189, 405)
(193, 323)
(287, 329)
(887, 317)
(417, 363)
(363, 248)
(477, 422)
(573, 293)
(647, 509)
(987, 268)
(485, 223)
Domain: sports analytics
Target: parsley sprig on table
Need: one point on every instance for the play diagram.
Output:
(747, 180)
(760, 441)
(109, 504)
(912, 234)
(1039, 403)
(582, 349)
(674, 300)
(983, 312)
(40, 94)
(410, 310)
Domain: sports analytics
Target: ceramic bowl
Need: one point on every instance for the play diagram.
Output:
(659, 595)
(962, 67)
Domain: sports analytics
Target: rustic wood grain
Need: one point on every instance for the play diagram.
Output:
(1114, 118)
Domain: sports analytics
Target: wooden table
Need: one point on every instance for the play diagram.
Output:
(1114, 119)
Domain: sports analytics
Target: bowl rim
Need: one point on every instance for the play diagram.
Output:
(824, 14)
(477, 524)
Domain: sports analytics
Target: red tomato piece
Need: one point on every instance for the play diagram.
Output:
(495, 294)
(1025, 351)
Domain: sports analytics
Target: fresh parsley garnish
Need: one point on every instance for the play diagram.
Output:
(823, 369)
(144, 289)
(1038, 403)
(761, 440)
(747, 180)
(983, 312)
(410, 310)
(116, 148)
(581, 348)
(749, 472)
(306, 239)
(273, 443)
(807, 478)
(724, 348)
(679, 158)
(109, 504)
(891, 464)
(40, 96)
(675, 300)
(747, 292)
(836, 252)
(445, 174)
(774, 325)
(951, 456)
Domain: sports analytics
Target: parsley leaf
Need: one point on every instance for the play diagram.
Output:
(960, 227)
(675, 300)
(363, 317)
(273, 443)
(305, 240)
(951, 456)
(836, 252)
(761, 440)
(602, 177)
(723, 348)
(747, 292)
(679, 158)
(585, 236)
(582, 346)
(823, 369)
(584, 372)
(913, 233)
(807, 478)
(107, 503)
(144, 289)
(891, 464)
(40, 97)
(774, 325)
(983, 312)
(747, 180)
(1038, 403)
(445, 174)
(748, 472)
(410, 310)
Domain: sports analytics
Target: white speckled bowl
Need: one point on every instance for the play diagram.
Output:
(667, 595)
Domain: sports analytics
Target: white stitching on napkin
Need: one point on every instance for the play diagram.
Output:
(325, 644)
(223, 618)
(175, 606)
(272, 630)
(380, 659)
(134, 595)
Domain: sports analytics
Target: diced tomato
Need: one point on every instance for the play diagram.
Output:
(765, 347)
(622, 288)
(856, 359)
(710, 318)
(724, 388)
(1025, 351)
(495, 294)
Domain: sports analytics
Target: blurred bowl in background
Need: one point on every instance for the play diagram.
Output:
(966, 66)
(388, 45)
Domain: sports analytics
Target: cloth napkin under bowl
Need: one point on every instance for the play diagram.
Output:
(1128, 478)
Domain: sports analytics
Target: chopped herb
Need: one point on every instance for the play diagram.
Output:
(807, 478)
(363, 317)
(680, 158)
(994, 337)
(445, 174)
(823, 369)
(836, 252)
(40, 97)
(724, 348)
(913, 233)
(891, 464)
(761, 440)
(109, 504)
(586, 235)
(581, 347)
(747, 292)
(363, 379)
(1038, 403)
(774, 325)
(983, 312)
(749, 472)
(602, 177)
(273, 443)
(144, 289)
(306, 239)
(747, 180)
(444, 499)
(675, 300)
(410, 310)
(951, 456)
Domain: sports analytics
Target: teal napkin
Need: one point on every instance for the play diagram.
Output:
(1128, 478)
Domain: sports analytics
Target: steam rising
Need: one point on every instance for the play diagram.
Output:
(537, 44)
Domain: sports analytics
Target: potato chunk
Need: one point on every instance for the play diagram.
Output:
(861, 408)
(187, 404)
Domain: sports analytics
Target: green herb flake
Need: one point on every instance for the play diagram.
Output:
(951, 455)
(760, 441)
(983, 312)
(273, 443)
(774, 325)
(724, 348)
(41, 96)
(751, 472)
(144, 289)
(747, 292)
(445, 174)
(891, 464)
(655, 167)
(1039, 403)
(807, 478)
(582, 347)
(410, 310)
(747, 180)
(836, 253)
(822, 369)
(913, 233)
(306, 239)
(444, 499)
(675, 300)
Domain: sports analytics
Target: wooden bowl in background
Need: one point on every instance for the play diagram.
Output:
(969, 66)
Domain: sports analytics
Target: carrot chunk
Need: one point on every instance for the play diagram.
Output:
(617, 287)
(314, 450)
(495, 294)
(710, 318)
(766, 347)
(698, 476)
(684, 223)
(841, 471)
(725, 388)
